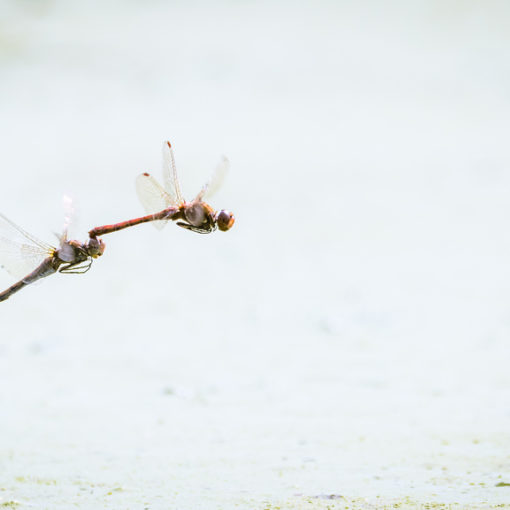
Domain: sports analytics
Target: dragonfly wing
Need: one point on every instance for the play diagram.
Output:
(216, 180)
(20, 259)
(18, 256)
(10, 230)
(69, 217)
(170, 179)
(153, 196)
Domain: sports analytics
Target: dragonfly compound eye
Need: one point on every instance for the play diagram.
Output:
(225, 220)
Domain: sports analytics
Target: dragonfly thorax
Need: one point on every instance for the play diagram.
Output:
(71, 252)
(67, 252)
(199, 214)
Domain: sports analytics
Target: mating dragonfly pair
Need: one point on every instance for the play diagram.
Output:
(162, 203)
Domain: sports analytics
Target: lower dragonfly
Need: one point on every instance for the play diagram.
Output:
(164, 203)
(18, 256)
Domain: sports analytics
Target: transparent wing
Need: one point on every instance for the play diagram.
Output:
(20, 259)
(152, 196)
(69, 216)
(170, 179)
(216, 180)
(8, 226)
(17, 256)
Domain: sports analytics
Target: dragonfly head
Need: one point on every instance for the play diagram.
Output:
(95, 247)
(225, 220)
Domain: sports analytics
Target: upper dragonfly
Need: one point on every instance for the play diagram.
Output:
(19, 257)
(164, 203)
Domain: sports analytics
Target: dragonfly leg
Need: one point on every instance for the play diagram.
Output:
(76, 267)
(198, 230)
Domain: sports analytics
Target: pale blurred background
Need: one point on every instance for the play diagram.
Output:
(347, 343)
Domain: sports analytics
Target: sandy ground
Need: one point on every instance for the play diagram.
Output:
(346, 345)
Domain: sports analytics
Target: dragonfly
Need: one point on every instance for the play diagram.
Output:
(166, 202)
(20, 252)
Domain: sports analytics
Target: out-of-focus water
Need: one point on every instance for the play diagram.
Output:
(348, 337)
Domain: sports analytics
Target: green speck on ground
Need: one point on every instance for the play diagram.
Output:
(9, 504)
(313, 503)
(38, 481)
(117, 489)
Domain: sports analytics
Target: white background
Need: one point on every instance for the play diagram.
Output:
(348, 337)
